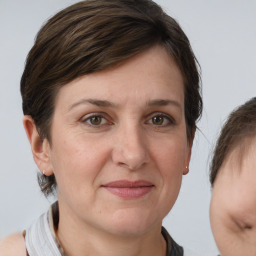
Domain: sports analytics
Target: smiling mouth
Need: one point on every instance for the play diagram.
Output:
(129, 189)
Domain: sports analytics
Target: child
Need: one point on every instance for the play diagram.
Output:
(233, 179)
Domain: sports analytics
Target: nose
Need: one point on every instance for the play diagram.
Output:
(130, 148)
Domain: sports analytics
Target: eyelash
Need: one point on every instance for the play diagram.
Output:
(88, 120)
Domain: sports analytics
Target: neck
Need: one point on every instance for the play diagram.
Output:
(80, 239)
(95, 245)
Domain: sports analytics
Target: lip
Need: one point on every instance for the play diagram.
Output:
(129, 189)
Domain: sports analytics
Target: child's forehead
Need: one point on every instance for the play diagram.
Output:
(235, 186)
(241, 159)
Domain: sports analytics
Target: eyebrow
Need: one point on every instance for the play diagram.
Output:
(106, 103)
(99, 103)
(161, 102)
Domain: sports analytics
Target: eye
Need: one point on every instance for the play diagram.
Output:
(158, 120)
(95, 120)
(161, 120)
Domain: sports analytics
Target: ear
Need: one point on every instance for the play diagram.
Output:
(189, 148)
(186, 170)
(40, 147)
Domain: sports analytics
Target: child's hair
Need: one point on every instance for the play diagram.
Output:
(239, 128)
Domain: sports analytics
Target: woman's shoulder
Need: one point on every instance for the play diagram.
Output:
(13, 245)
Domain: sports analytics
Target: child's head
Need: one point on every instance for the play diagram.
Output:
(233, 178)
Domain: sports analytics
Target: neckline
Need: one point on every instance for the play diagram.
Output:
(172, 248)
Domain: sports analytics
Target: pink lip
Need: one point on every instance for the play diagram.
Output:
(129, 189)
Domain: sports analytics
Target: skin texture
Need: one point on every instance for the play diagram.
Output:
(233, 204)
(13, 245)
(124, 123)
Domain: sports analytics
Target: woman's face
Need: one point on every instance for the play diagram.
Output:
(119, 145)
(233, 204)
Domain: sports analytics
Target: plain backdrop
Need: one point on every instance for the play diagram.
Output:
(223, 36)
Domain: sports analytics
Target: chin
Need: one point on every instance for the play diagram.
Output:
(129, 230)
(133, 222)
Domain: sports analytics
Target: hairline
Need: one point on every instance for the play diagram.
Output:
(236, 152)
(154, 44)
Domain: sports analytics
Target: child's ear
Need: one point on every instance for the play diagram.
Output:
(40, 147)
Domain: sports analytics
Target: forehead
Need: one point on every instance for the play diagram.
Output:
(152, 73)
(234, 190)
(241, 160)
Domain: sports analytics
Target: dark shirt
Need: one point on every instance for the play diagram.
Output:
(173, 249)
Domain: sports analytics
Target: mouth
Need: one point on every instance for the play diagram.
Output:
(129, 189)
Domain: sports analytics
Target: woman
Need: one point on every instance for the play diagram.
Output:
(233, 209)
(111, 97)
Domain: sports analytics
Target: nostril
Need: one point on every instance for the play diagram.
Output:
(131, 166)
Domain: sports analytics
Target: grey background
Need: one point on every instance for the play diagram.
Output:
(223, 36)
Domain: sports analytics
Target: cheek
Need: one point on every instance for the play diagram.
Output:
(77, 163)
(171, 157)
(230, 227)
(233, 215)
(223, 208)
(237, 202)
(221, 223)
(242, 210)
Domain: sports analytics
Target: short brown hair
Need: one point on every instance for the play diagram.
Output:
(240, 125)
(94, 35)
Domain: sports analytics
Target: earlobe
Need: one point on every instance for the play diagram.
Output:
(186, 170)
(40, 147)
